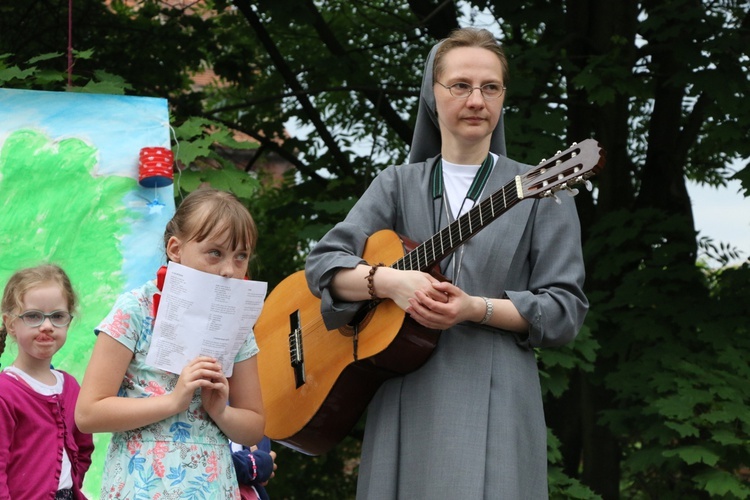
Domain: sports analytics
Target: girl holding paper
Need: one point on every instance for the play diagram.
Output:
(169, 432)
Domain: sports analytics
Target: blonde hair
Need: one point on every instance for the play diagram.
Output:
(208, 211)
(26, 279)
(469, 37)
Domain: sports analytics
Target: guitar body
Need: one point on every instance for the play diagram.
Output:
(313, 404)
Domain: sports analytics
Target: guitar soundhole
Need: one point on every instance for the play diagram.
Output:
(361, 320)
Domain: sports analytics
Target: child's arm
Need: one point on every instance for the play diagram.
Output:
(99, 409)
(85, 443)
(7, 431)
(254, 467)
(243, 420)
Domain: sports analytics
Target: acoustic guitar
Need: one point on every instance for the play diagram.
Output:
(317, 383)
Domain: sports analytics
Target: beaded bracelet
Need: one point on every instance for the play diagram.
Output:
(488, 312)
(255, 466)
(370, 286)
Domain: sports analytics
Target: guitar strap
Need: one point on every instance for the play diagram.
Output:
(440, 200)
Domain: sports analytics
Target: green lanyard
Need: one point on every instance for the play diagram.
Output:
(475, 190)
(480, 180)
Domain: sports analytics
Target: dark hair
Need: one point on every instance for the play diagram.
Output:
(24, 280)
(469, 37)
(208, 211)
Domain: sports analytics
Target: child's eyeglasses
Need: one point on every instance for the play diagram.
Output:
(36, 318)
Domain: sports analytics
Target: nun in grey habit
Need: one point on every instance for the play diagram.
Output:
(469, 423)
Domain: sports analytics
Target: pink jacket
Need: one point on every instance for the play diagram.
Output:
(33, 429)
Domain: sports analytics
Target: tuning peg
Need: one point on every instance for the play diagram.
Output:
(571, 191)
(557, 200)
(588, 185)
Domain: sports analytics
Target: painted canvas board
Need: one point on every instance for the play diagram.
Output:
(69, 194)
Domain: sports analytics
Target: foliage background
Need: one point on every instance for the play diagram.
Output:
(651, 400)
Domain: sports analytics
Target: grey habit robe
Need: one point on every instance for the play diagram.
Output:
(469, 423)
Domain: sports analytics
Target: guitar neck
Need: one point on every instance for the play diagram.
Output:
(448, 239)
(564, 170)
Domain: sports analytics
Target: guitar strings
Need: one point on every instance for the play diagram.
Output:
(480, 215)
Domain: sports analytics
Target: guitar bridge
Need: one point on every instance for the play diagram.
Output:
(295, 349)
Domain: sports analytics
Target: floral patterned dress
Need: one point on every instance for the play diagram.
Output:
(185, 456)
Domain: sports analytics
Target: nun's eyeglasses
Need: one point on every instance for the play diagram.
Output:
(462, 90)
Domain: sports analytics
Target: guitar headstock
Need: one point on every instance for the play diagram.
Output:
(563, 171)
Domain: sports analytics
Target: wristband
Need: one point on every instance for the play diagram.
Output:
(254, 465)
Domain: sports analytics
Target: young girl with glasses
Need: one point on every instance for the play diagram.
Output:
(42, 452)
(170, 432)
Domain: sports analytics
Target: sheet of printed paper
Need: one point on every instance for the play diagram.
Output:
(203, 314)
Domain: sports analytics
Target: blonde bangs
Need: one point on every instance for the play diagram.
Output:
(219, 219)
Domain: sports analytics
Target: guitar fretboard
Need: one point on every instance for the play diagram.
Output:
(572, 166)
(448, 239)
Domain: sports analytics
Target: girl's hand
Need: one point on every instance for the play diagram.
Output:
(215, 396)
(199, 373)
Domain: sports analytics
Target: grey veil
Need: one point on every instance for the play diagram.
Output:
(426, 141)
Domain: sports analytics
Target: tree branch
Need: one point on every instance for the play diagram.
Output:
(339, 156)
(382, 105)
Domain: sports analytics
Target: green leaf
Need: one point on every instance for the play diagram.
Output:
(238, 182)
(694, 454)
(190, 150)
(722, 483)
(45, 57)
(684, 430)
(15, 73)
